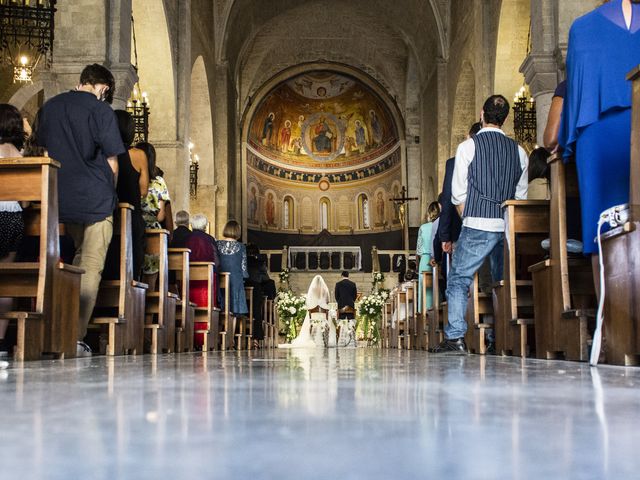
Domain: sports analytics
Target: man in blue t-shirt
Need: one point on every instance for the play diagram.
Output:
(80, 130)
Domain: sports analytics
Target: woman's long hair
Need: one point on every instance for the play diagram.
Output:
(150, 151)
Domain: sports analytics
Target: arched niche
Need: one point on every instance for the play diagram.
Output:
(335, 151)
(201, 136)
(156, 67)
(511, 50)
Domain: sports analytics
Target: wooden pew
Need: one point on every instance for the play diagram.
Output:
(161, 303)
(422, 318)
(479, 306)
(227, 319)
(244, 335)
(621, 257)
(269, 324)
(207, 317)
(50, 323)
(563, 291)
(527, 226)
(120, 305)
(387, 312)
(404, 328)
(185, 313)
(437, 314)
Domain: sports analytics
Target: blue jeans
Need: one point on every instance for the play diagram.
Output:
(471, 250)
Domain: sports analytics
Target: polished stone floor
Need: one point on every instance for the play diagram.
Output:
(338, 414)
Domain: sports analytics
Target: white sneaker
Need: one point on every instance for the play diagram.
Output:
(83, 350)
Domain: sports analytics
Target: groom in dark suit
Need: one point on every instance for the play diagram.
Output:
(346, 293)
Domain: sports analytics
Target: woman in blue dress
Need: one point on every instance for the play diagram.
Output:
(424, 250)
(596, 116)
(233, 259)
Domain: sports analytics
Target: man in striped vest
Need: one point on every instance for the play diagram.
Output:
(490, 168)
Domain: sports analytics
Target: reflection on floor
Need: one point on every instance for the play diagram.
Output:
(337, 414)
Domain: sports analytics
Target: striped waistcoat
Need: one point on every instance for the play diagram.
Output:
(493, 175)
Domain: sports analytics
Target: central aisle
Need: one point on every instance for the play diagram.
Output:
(338, 414)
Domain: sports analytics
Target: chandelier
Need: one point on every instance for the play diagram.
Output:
(138, 107)
(525, 122)
(194, 166)
(26, 35)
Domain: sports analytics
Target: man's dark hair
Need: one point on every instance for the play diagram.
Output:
(475, 128)
(97, 74)
(126, 126)
(538, 167)
(345, 274)
(496, 110)
(11, 126)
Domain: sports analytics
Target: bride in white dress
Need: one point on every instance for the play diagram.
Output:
(317, 302)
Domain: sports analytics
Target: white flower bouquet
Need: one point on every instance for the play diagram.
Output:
(369, 311)
(377, 280)
(291, 311)
(284, 280)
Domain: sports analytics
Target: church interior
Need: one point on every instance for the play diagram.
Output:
(308, 143)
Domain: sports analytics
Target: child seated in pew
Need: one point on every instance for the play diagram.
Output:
(12, 137)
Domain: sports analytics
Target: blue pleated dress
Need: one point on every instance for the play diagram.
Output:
(596, 117)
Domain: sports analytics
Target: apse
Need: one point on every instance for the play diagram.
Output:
(323, 155)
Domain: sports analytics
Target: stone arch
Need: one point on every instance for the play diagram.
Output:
(289, 73)
(511, 50)
(464, 109)
(201, 135)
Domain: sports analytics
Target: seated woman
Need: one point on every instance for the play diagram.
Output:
(539, 175)
(233, 260)
(133, 179)
(12, 137)
(153, 209)
(203, 249)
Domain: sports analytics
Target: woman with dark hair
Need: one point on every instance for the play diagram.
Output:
(233, 259)
(133, 180)
(539, 175)
(153, 203)
(12, 137)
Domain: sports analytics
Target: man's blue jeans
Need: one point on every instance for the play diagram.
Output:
(471, 250)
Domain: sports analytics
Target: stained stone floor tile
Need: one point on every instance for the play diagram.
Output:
(336, 414)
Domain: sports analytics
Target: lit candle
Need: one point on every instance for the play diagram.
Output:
(145, 98)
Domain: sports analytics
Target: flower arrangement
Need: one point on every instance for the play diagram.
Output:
(378, 279)
(291, 311)
(284, 279)
(369, 311)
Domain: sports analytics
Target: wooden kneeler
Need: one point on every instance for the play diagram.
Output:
(120, 305)
(185, 313)
(563, 291)
(50, 322)
(161, 303)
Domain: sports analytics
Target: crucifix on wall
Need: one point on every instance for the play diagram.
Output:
(401, 204)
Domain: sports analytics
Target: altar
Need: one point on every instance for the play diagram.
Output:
(325, 258)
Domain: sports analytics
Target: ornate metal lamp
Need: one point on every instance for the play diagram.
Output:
(138, 107)
(26, 35)
(194, 166)
(525, 123)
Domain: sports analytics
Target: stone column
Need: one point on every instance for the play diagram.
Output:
(225, 145)
(81, 39)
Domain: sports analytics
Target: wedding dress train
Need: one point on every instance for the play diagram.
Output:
(317, 297)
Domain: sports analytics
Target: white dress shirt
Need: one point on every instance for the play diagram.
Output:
(464, 156)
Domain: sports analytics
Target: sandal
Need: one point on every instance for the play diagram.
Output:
(255, 345)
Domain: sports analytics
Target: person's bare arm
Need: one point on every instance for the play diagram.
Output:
(460, 209)
(162, 212)
(550, 137)
(113, 163)
(139, 162)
